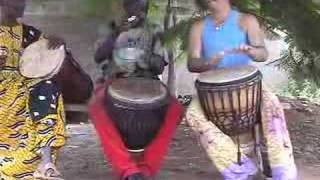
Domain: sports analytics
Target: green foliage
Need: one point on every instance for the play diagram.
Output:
(156, 16)
(304, 89)
(299, 19)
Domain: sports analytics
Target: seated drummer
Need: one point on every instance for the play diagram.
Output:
(124, 164)
(228, 38)
(32, 123)
(133, 31)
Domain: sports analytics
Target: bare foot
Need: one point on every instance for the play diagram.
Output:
(47, 171)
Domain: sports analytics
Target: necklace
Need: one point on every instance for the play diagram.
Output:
(219, 25)
(220, 22)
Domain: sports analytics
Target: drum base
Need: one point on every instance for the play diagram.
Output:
(252, 145)
(137, 156)
(137, 127)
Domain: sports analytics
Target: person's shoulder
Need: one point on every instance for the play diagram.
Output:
(248, 19)
(198, 24)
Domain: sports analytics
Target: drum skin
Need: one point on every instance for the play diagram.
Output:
(138, 108)
(231, 98)
(37, 61)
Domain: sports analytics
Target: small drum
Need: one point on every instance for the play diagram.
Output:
(138, 107)
(37, 61)
(231, 98)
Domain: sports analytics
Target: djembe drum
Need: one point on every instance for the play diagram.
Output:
(231, 99)
(137, 107)
(37, 61)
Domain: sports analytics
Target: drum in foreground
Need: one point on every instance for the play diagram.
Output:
(138, 108)
(231, 98)
(37, 61)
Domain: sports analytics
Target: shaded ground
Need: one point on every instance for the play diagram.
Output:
(82, 158)
(304, 126)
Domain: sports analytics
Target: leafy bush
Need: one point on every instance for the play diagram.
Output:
(305, 89)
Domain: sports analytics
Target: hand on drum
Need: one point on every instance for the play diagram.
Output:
(217, 59)
(55, 42)
(250, 50)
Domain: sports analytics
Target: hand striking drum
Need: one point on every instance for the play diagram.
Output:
(32, 125)
(234, 113)
(133, 112)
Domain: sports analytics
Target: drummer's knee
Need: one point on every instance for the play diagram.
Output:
(43, 100)
(45, 88)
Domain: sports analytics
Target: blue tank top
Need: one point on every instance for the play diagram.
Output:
(228, 37)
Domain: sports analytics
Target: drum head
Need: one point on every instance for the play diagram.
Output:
(37, 61)
(227, 75)
(138, 91)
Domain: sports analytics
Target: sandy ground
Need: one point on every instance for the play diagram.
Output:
(82, 158)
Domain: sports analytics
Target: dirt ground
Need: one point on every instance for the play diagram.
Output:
(82, 158)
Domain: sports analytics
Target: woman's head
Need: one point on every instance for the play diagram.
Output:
(212, 5)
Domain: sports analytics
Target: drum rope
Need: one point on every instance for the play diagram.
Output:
(239, 124)
(236, 123)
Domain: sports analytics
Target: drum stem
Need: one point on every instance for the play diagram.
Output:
(239, 151)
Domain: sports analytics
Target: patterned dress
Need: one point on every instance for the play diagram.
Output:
(31, 110)
(222, 149)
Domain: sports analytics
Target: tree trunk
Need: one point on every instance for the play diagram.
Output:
(170, 15)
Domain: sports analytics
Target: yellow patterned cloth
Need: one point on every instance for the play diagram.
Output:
(222, 149)
(22, 132)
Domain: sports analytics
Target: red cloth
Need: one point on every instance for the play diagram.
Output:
(114, 148)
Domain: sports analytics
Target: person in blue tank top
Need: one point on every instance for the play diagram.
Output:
(227, 38)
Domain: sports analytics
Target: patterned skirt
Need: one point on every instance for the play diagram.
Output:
(31, 117)
(222, 149)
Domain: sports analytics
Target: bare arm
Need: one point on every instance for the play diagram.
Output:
(104, 52)
(257, 49)
(195, 63)
(157, 61)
